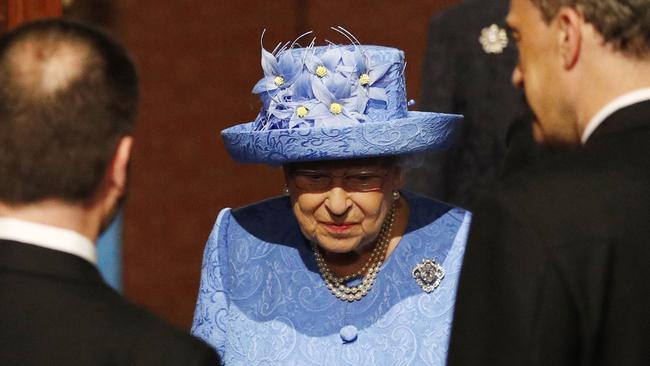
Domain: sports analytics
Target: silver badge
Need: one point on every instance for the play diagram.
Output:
(493, 39)
(428, 274)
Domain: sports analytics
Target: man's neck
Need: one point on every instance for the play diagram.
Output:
(55, 213)
(612, 76)
(623, 101)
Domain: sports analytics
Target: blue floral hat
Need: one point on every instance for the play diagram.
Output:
(335, 102)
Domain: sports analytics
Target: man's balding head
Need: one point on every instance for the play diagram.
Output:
(68, 93)
(42, 67)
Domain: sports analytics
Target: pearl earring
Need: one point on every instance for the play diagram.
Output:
(396, 195)
(285, 191)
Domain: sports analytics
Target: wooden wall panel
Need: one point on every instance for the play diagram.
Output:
(20, 11)
(198, 61)
(3, 15)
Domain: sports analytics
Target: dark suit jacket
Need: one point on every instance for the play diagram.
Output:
(55, 309)
(557, 267)
(460, 77)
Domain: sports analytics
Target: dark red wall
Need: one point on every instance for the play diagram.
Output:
(198, 61)
(15, 12)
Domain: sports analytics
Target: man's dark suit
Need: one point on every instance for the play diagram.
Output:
(557, 269)
(56, 310)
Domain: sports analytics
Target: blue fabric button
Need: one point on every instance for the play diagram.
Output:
(349, 333)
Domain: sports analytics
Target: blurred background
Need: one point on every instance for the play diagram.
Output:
(198, 61)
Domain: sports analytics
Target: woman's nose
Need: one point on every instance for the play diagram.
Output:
(337, 201)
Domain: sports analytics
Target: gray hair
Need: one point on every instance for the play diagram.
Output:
(410, 161)
(624, 24)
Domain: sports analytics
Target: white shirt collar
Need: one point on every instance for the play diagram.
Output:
(621, 102)
(49, 237)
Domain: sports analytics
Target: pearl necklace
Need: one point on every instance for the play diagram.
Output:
(336, 284)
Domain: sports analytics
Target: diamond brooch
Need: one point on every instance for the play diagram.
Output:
(493, 39)
(428, 274)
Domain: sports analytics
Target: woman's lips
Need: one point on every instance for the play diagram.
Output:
(339, 228)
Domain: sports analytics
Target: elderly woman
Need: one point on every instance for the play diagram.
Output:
(345, 268)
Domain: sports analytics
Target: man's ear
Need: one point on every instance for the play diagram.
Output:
(570, 24)
(118, 170)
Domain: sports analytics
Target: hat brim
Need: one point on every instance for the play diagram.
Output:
(418, 131)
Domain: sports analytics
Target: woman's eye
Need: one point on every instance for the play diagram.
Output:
(316, 177)
(362, 178)
(365, 179)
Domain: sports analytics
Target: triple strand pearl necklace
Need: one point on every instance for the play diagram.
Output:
(369, 270)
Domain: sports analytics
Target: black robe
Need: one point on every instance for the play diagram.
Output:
(557, 268)
(55, 309)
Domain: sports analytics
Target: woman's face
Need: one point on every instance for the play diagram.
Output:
(341, 205)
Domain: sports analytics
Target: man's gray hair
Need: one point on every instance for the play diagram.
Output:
(624, 24)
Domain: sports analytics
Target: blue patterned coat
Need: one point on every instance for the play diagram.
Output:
(262, 300)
